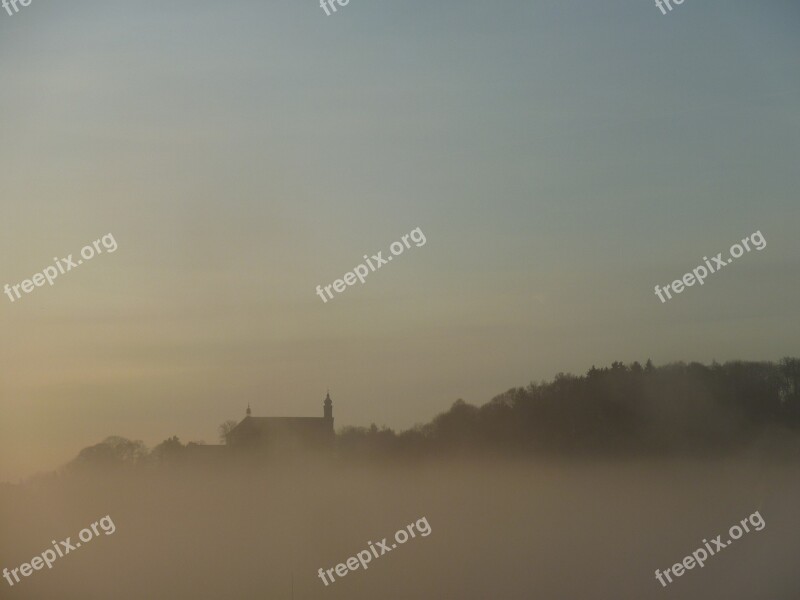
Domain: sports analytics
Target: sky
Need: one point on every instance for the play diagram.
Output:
(561, 158)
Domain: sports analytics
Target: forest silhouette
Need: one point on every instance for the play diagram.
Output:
(672, 410)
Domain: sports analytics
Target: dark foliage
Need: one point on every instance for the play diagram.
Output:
(632, 410)
(689, 409)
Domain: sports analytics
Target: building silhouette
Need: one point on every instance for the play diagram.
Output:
(283, 434)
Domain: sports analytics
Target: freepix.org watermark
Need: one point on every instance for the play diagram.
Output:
(59, 550)
(376, 262)
(363, 558)
(699, 274)
(699, 556)
(324, 4)
(660, 4)
(63, 265)
(9, 4)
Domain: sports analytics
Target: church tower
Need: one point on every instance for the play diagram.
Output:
(328, 404)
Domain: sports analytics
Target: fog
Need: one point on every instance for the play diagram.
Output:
(499, 529)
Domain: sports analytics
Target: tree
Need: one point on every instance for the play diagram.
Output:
(225, 430)
(168, 450)
(112, 452)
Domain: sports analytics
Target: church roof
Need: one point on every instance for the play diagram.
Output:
(281, 424)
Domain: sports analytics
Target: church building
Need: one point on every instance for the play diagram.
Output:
(284, 433)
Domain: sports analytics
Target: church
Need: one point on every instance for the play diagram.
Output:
(283, 433)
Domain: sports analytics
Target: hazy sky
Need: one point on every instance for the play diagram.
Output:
(561, 157)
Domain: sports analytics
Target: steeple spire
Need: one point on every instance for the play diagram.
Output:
(328, 404)
(249, 412)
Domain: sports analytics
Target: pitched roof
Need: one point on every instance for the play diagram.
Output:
(276, 425)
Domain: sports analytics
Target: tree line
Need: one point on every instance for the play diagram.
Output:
(621, 410)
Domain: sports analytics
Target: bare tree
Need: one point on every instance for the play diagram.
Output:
(225, 430)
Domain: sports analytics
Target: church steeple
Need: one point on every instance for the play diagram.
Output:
(328, 404)
(249, 412)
